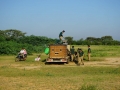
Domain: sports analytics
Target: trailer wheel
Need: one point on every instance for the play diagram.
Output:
(45, 63)
(68, 61)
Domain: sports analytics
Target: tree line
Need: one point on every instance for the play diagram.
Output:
(104, 40)
(11, 42)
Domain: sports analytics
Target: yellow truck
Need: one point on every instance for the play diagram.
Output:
(58, 53)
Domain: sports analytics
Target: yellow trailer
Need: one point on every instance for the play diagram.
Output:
(58, 53)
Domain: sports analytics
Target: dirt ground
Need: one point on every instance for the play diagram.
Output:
(39, 84)
(114, 62)
(106, 62)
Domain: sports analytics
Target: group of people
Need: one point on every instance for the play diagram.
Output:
(23, 53)
(79, 55)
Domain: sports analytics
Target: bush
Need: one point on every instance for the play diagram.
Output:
(12, 48)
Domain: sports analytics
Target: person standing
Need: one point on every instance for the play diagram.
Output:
(80, 57)
(72, 52)
(89, 52)
(61, 36)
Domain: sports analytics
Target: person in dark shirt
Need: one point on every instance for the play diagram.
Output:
(72, 51)
(80, 57)
(89, 52)
(61, 36)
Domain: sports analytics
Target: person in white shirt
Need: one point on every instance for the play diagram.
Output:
(38, 58)
(22, 52)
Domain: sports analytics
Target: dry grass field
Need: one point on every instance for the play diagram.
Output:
(101, 73)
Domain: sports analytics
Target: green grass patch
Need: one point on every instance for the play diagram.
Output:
(31, 75)
(101, 50)
(88, 87)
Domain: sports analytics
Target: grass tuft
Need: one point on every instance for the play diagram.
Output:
(88, 87)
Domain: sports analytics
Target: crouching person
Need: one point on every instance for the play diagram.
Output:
(80, 57)
(38, 58)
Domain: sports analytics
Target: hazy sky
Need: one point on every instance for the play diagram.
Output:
(79, 18)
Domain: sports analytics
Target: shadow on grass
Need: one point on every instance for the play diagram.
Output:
(88, 87)
(43, 60)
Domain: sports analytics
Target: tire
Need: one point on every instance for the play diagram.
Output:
(24, 59)
(46, 63)
(68, 61)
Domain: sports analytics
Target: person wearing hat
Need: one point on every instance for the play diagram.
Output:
(61, 36)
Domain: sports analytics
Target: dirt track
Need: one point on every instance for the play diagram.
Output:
(114, 62)
(106, 62)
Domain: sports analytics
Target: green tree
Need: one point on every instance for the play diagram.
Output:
(12, 34)
(69, 39)
(106, 40)
(80, 42)
(36, 40)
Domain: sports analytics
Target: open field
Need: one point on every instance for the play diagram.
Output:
(101, 73)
